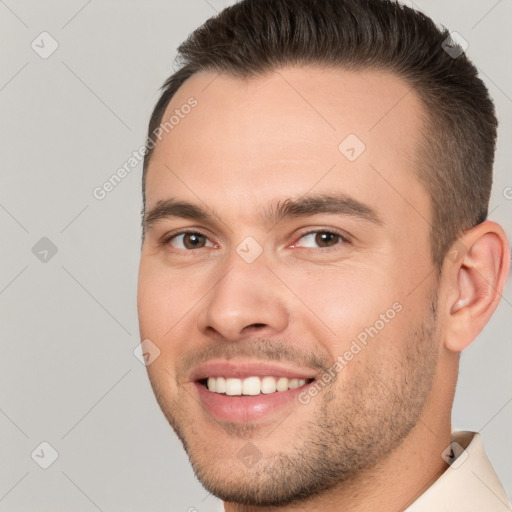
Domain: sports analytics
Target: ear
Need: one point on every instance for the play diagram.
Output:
(476, 269)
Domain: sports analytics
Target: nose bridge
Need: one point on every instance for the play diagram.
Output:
(244, 295)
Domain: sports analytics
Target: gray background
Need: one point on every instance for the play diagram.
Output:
(69, 325)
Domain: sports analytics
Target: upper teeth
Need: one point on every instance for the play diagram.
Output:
(252, 385)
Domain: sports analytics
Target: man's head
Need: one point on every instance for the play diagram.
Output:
(329, 155)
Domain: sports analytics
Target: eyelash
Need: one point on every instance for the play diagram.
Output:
(343, 239)
(166, 239)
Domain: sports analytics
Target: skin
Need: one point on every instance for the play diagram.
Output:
(373, 439)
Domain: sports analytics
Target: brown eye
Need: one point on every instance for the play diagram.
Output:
(320, 239)
(326, 239)
(188, 241)
(193, 240)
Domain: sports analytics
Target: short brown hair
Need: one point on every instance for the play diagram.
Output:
(254, 37)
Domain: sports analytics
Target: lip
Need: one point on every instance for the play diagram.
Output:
(244, 369)
(246, 409)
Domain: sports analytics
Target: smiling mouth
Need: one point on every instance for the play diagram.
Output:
(251, 386)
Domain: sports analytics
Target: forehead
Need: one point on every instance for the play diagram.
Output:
(287, 132)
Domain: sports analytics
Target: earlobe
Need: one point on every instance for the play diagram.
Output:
(480, 276)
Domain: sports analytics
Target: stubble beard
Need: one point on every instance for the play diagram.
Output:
(360, 422)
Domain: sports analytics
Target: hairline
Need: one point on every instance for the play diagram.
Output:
(429, 119)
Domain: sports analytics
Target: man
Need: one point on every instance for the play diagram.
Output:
(316, 256)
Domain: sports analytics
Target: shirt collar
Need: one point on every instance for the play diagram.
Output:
(468, 485)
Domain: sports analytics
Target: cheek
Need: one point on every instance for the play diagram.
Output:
(166, 301)
(345, 299)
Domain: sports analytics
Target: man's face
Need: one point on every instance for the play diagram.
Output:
(245, 292)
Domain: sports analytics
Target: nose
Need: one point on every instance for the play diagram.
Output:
(246, 300)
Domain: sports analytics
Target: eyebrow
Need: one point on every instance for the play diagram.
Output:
(304, 206)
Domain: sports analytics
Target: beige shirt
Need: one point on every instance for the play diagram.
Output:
(468, 485)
